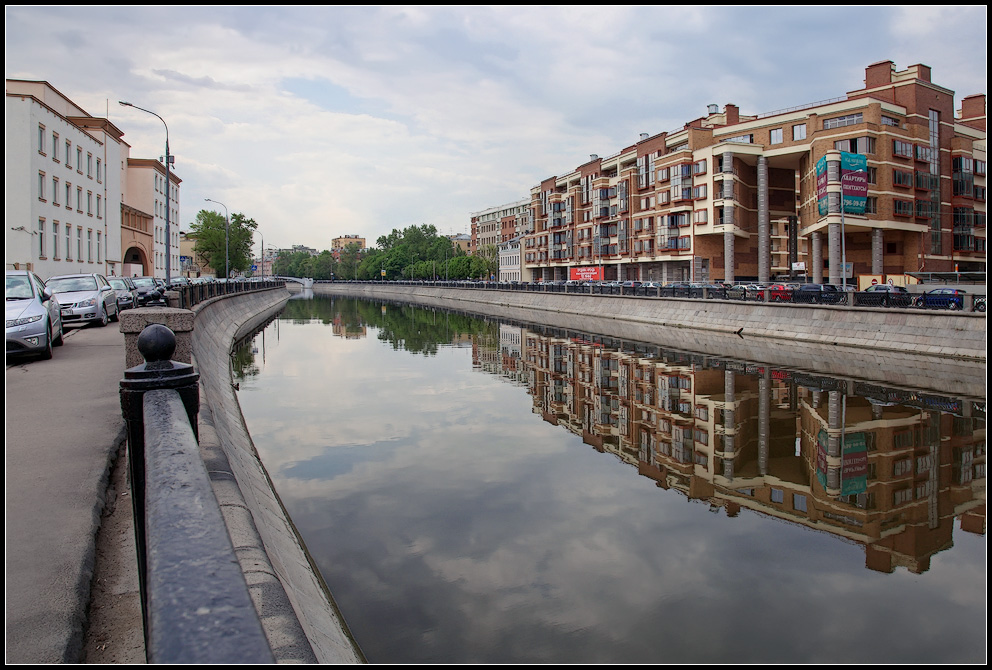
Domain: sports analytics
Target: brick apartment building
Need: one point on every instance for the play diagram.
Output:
(730, 197)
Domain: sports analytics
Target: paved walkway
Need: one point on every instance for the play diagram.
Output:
(63, 428)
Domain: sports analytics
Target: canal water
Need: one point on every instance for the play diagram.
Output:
(483, 492)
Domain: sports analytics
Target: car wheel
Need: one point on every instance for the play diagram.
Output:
(980, 307)
(919, 302)
(103, 320)
(59, 339)
(46, 355)
(117, 313)
(952, 305)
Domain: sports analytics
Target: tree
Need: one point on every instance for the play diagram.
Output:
(214, 238)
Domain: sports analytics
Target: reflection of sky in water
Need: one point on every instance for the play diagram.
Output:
(452, 524)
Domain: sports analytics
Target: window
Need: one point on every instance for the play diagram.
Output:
(68, 195)
(902, 178)
(89, 165)
(699, 167)
(89, 245)
(799, 132)
(55, 191)
(699, 191)
(742, 139)
(776, 136)
(41, 139)
(889, 121)
(856, 145)
(55, 147)
(68, 154)
(41, 186)
(841, 121)
(41, 238)
(68, 242)
(79, 244)
(99, 241)
(902, 149)
(872, 175)
(79, 199)
(700, 216)
(55, 240)
(799, 502)
(778, 495)
(79, 160)
(89, 203)
(902, 208)
(980, 167)
(871, 205)
(99, 168)
(99, 213)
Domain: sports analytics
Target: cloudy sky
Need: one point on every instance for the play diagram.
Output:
(328, 121)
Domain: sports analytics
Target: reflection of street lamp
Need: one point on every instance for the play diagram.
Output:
(227, 239)
(168, 190)
(843, 239)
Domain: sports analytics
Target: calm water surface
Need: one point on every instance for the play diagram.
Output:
(483, 492)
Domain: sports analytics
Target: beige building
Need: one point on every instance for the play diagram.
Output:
(339, 243)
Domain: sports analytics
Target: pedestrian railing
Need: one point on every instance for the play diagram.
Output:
(968, 302)
(193, 294)
(196, 607)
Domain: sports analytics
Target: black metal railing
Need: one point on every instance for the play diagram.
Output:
(968, 302)
(196, 607)
(194, 294)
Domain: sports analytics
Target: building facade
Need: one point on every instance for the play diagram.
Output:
(76, 202)
(63, 188)
(730, 197)
(339, 243)
(499, 224)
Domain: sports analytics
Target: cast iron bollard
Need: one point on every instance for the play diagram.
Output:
(196, 607)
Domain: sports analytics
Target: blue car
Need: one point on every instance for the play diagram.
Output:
(941, 298)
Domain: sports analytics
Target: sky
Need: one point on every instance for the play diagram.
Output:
(319, 122)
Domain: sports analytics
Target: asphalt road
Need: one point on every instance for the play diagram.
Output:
(63, 429)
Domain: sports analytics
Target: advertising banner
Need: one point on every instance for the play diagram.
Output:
(821, 185)
(854, 180)
(591, 273)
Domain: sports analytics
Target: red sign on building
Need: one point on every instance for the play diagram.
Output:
(586, 273)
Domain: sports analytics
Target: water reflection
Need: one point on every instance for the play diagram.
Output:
(458, 517)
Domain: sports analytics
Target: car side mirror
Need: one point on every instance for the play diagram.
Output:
(47, 295)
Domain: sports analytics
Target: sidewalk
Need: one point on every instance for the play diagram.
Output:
(63, 429)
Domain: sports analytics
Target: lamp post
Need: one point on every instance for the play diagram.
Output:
(168, 190)
(261, 256)
(227, 239)
(843, 237)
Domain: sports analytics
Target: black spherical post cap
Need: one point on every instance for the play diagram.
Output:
(156, 343)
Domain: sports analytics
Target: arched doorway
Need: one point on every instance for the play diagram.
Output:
(135, 263)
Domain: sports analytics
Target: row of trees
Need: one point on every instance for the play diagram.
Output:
(416, 252)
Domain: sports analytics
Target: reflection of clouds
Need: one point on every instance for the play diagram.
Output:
(454, 525)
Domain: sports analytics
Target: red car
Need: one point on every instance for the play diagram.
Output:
(779, 293)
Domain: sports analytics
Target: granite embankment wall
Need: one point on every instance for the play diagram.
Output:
(937, 350)
(276, 566)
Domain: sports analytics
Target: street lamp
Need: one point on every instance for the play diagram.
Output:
(843, 238)
(227, 239)
(168, 190)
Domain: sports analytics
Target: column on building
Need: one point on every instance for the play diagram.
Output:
(764, 225)
(877, 266)
(764, 419)
(816, 250)
(729, 270)
(835, 427)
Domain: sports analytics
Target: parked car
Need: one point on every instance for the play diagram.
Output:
(85, 298)
(779, 293)
(888, 295)
(941, 298)
(825, 294)
(127, 294)
(151, 292)
(34, 322)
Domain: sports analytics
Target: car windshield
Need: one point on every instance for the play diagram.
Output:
(18, 288)
(68, 284)
(143, 281)
(118, 283)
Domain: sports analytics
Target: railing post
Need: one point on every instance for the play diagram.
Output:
(156, 343)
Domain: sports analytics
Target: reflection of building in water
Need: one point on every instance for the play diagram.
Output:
(890, 473)
(347, 329)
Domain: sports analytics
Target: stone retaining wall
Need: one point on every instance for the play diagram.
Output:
(218, 323)
(936, 350)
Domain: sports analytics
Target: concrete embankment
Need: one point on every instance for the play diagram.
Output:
(274, 558)
(936, 350)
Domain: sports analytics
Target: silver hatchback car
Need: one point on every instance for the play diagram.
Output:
(34, 323)
(85, 298)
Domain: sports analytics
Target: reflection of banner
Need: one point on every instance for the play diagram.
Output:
(854, 182)
(854, 465)
(586, 273)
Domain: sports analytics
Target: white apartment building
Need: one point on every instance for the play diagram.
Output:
(75, 201)
(509, 259)
(63, 188)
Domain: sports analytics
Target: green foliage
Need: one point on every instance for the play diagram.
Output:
(212, 243)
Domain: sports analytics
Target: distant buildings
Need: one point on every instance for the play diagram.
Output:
(730, 197)
(339, 243)
(75, 200)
